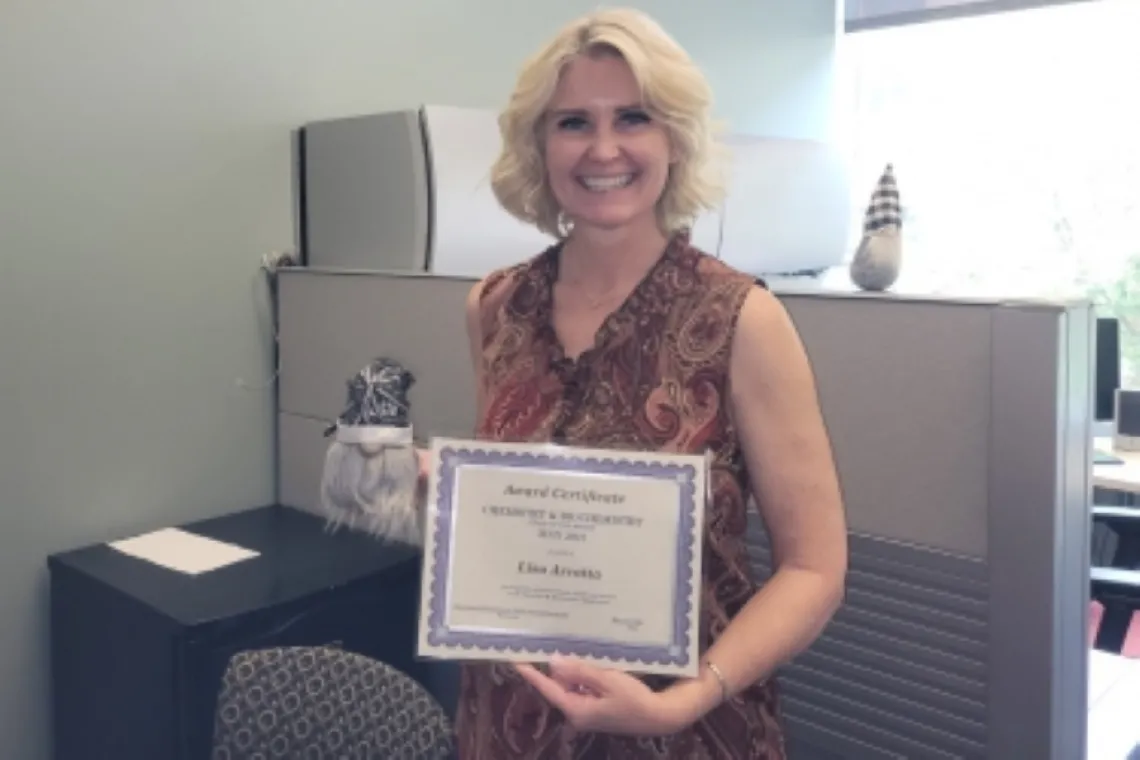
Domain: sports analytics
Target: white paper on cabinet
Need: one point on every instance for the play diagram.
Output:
(182, 551)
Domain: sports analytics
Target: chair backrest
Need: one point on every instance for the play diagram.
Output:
(319, 703)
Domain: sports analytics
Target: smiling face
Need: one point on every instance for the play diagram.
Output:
(607, 159)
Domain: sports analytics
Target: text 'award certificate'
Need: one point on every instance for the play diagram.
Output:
(535, 550)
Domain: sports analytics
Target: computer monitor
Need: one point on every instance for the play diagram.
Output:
(1106, 370)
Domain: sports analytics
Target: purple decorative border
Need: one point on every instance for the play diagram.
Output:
(676, 653)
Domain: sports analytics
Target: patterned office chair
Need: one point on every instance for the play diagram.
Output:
(317, 703)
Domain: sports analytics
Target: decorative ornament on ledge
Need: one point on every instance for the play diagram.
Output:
(371, 476)
(879, 255)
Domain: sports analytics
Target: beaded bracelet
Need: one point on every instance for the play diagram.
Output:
(720, 679)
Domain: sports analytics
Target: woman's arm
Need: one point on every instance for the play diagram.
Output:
(795, 485)
(474, 321)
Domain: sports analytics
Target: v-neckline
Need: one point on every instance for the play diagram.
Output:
(602, 336)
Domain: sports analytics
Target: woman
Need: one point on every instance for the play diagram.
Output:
(622, 335)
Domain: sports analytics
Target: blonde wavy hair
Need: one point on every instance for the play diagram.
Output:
(674, 91)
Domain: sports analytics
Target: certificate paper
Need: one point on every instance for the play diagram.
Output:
(535, 550)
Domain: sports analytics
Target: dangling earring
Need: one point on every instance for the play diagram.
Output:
(565, 224)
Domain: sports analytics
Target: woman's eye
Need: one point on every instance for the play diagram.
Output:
(634, 117)
(571, 122)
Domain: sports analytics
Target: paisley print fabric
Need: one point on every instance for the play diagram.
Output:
(655, 379)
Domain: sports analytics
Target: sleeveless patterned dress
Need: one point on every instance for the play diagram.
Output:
(656, 379)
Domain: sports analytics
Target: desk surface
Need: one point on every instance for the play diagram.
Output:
(298, 557)
(1117, 477)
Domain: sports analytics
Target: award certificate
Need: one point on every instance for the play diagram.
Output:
(532, 550)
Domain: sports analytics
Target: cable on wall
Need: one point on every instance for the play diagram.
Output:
(270, 264)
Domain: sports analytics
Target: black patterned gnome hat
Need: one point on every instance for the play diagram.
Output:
(377, 397)
(885, 209)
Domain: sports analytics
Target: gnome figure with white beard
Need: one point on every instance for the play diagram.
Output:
(371, 473)
(879, 255)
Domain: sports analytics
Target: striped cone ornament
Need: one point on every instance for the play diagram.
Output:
(875, 266)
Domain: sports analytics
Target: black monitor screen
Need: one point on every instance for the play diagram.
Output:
(1107, 366)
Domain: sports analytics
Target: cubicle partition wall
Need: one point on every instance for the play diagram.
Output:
(960, 433)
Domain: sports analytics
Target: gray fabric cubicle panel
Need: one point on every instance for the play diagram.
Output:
(301, 447)
(902, 670)
(331, 324)
(357, 195)
(904, 387)
(1039, 526)
(930, 405)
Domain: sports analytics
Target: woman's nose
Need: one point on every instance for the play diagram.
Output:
(604, 146)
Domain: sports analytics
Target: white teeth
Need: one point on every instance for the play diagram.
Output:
(601, 184)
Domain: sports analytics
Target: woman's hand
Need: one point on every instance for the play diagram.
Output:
(610, 701)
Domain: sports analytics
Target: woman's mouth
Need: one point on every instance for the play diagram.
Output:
(607, 183)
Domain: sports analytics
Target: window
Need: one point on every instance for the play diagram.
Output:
(1015, 139)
